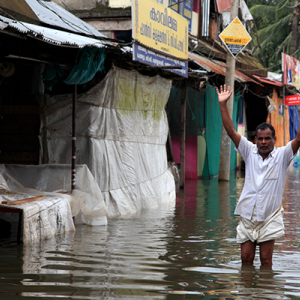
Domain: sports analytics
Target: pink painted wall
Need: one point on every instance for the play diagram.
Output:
(190, 155)
(196, 6)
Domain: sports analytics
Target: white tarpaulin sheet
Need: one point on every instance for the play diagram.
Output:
(41, 219)
(86, 199)
(122, 130)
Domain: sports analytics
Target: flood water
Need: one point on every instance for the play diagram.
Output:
(183, 252)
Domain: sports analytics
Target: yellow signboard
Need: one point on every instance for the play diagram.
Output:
(235, 37)
(160, 28)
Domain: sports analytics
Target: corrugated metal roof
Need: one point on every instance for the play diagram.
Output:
(20, 7)
(249, 64)
(218, 67)
(268, 81)
(51, 14)
(52, 36)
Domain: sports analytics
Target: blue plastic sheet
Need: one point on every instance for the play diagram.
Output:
(89, 62)
(292, 121)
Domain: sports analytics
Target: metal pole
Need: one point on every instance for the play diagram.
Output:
(224, 166)
(74, 138)
(294, 117)
(182, 133)
(283, 112)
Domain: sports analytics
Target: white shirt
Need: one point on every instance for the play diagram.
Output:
(264, 180)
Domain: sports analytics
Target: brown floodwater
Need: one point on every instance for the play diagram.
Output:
(183, 252)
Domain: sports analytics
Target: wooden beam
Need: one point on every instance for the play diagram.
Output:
(182, 133)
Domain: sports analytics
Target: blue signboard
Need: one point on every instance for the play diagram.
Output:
(151, 58)
(185, 9)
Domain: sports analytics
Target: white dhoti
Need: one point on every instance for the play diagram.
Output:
(270, 229)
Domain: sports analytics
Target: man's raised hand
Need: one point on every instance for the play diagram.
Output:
(224, 93)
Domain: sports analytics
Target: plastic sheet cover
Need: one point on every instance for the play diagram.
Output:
(85, 200)
(121, 133)
(41, 219)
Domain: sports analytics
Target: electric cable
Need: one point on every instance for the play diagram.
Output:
(65, 5)
(72, 25)
(177, 3)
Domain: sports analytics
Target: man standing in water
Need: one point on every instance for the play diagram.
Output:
(260, 204)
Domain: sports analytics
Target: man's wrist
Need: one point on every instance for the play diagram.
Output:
(223, 103)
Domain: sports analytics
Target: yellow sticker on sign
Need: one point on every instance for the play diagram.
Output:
(235, 33)
(235, 37)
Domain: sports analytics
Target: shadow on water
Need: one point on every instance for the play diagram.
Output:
(182, 252)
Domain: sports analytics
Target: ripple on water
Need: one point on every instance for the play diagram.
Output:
(184, 253)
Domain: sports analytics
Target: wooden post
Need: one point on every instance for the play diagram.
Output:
(224, 166)
(73, 172)
(170, 153)
(182, 133)
(170, 147)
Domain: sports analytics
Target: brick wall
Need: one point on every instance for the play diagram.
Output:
(213, 28)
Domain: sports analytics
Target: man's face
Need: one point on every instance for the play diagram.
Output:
(265, 142)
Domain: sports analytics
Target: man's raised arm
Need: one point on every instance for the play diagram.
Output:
(224, 95)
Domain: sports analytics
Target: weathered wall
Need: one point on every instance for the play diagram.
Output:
(277, 121)
(79, 4)
(119, 3)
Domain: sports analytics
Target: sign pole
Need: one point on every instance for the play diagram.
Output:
(283, 93)
(294, 116)
(224, 167)
(73, 172)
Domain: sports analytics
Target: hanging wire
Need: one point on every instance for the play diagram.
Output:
(177, 3)
(72, 25)
(67, 8)
(259, 96)
(293, 6)
(281, 6)
(12, 17)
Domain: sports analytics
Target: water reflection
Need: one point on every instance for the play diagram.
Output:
(183, 252)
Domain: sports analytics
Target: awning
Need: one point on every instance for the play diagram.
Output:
(244, 61)
(219, 68)
(51, 14)
(52, 36)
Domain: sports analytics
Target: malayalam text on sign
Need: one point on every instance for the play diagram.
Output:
(235, 37)
(292, 100)
(160, 28)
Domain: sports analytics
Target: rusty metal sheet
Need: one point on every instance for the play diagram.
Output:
(249, 64)
(19, 6)
(219, 68)
(268, 81)
(276, 120)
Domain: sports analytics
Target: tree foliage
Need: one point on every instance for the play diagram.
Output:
(274, 29)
